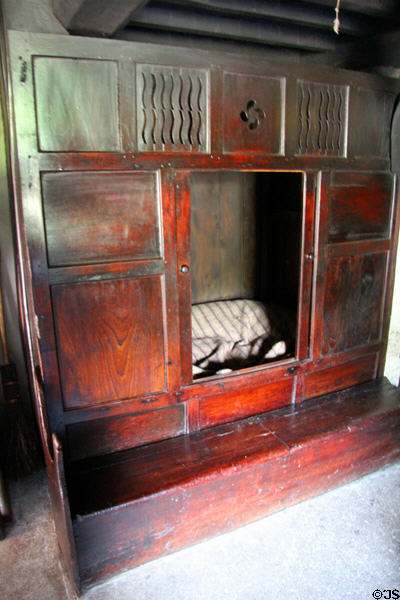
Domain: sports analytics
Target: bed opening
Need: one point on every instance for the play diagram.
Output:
(246, 237)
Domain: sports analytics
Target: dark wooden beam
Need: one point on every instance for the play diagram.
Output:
(35, 16)
(250, 29)
(373, 51)
(96, 17)
(186, 40)
(292, 11)
(379, 8)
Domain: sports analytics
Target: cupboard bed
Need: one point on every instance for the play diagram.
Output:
(206, 251)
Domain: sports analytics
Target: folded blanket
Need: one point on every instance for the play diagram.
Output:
(231, 330)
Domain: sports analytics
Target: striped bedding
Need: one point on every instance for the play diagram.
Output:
(229, 331)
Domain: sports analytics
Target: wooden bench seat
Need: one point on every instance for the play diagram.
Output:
(132, 506)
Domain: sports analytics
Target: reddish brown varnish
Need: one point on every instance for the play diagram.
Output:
(135, 169)
(189, 488)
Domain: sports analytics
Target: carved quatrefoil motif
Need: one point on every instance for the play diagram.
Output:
(252, 115)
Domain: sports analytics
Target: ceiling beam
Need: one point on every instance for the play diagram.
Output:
(96, 17)
(262, 31)
(211, 44)
(378, 8)
(35, 16)
(373, 51)
(292, 11)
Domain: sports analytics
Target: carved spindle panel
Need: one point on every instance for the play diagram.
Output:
(172, 109)
(323, 117)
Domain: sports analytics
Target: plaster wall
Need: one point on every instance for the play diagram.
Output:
(392, 365)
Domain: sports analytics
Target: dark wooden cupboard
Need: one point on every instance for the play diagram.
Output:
(146, 180)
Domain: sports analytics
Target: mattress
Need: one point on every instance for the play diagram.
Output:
(229, 334)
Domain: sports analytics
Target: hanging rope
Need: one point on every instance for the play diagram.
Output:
(336, 22)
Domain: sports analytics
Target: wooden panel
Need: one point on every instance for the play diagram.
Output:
(371, 120)
(172, 109)
(103, 436)
(219, 451)
(253, 114)
(62, 514)
(76, 104)
(110, 339)
(219, 479)
(182, 462)
(323, 116)
(355, 289)
(339, 377)
(239, 381)
(205, 218)
(98, 217)
(359, 206)
(182, 197)
(223, 236)
(236, 405)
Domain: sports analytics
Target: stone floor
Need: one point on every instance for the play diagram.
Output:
(343, 544)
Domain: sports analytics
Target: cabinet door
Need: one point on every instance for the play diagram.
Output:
(354, 257)
(109, 240)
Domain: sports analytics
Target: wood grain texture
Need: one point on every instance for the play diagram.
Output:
(182, 462)
(239, 381)
(200, 455)
(62, 513)
(326, 380)
(103, 436)
(111, 334)
(371, 117)
(204, 236)
(226, 407)
(359, 206)
(253, 114)
(98, 217)
(219, 479)
(322, 119)
(223, 235)
(355, 287)
(76, 104)
(246, 236)
(172, 109)
(182, 199)
(111, 338)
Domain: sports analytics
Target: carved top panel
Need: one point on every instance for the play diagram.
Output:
(371, 120)
(253, 114)
(172, 109)
(76, 104)
(322, 119)
(82, 95)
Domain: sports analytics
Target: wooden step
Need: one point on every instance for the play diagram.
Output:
(136, 505)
